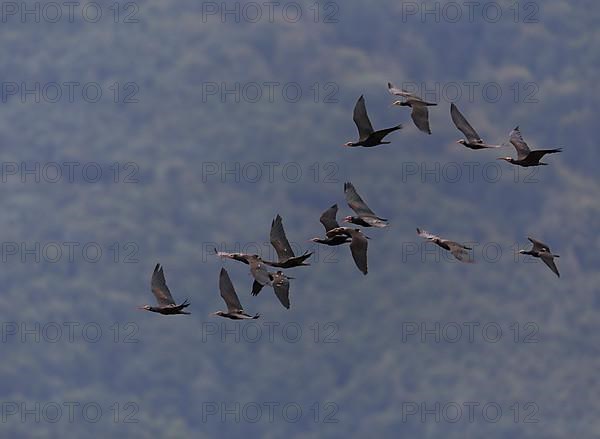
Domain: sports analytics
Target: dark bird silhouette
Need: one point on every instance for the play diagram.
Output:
(525, 156)
(257, 265)
(358, 245)
(329, 221)
(419, 113)
(473, 140)
(459, 251)
(234, 307)
(166, 304)
(281, 286)
(285, 254)
(367, 136)
(365, 216)
(542, 251)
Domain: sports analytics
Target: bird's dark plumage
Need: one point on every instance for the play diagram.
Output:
(329, 221)
(166, 303)
(525, 156)
(358, 245)
(542, 251)
(459, 251)
(419, 113)
(235, 310)
(365, 216)
(285, 254)
(473, 140)
(367, 136)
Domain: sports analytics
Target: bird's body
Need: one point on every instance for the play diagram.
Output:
(234, 307)
(365, 216)
(367, 136)
(257, 266)
(525, 156)
(459, 251)
(329, 221)
(419, 113)
(473, 140)
(542, 251)
(166, 303)
(281, 286)
(358, 245)
(285, 254)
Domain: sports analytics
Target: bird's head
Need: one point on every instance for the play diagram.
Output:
(461, 141)
(399, 103)
(348, 144)
(217, 313)
(145, 307)
(522, 252)
(348, 219)
(506, 159)
(314, 239)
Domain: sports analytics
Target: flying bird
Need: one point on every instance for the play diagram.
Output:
(329, 221)
(367, 136)
(358, 245)
(525, 156)
(419, 113)
(281, 287)
(257, 265)
(473, 140)
(459, 251)
(542, 251)
(365, 216)
(166, 303)
(285, 254)
(234, 307)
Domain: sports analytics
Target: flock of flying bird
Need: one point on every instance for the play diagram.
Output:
(336, 235)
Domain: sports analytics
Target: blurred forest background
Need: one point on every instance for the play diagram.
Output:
(170, 132)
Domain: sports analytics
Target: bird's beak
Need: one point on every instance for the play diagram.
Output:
(140, 308)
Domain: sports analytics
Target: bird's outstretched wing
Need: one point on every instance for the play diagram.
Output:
(517, 141)
(355, 202)
(328, 218)
(159, 287)
(281, 286)
(538, 245)
(259, 271)
(279, 240)
(426, 235)
(401, 92)
(463, 125)
(420, 116)
(256, 288)
(358, 247)
(361, 119)
(549, 261)
(228, 292)
(459, 251)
